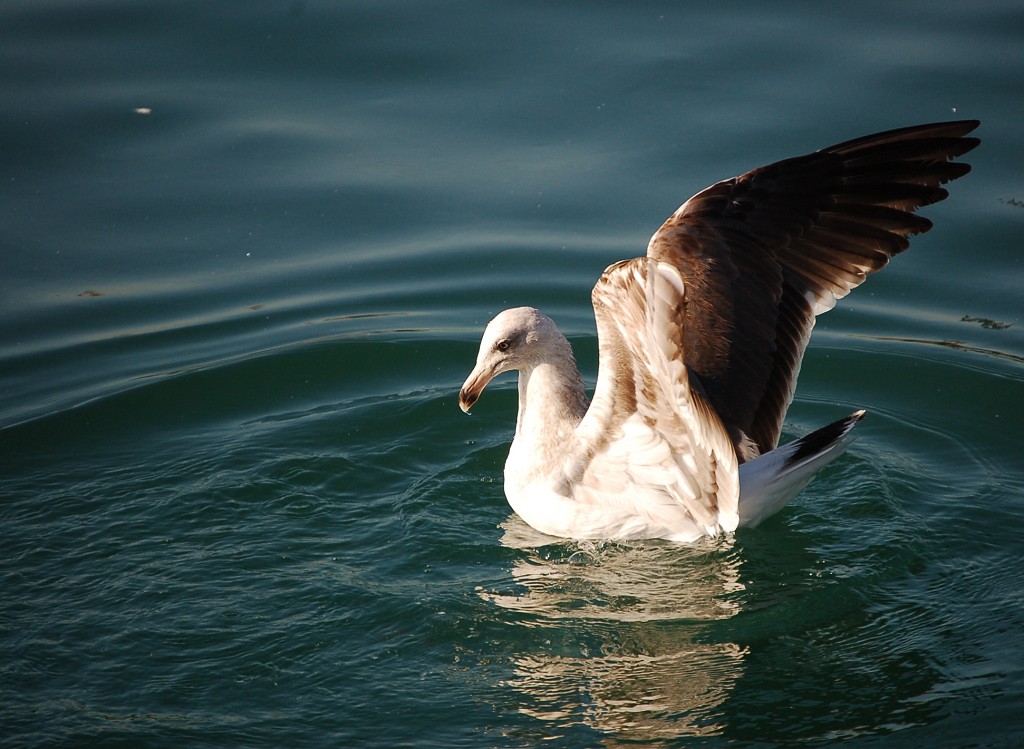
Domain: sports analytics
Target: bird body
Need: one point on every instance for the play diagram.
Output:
(700, 343)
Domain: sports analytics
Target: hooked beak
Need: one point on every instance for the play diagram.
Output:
(473, 387)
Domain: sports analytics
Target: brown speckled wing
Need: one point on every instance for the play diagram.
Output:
(648, 439)
(763, 253)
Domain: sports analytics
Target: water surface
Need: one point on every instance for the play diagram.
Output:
(246, 252)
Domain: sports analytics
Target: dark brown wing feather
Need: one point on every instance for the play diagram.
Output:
(763, 253)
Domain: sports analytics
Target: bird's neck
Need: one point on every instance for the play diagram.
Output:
(552, 402)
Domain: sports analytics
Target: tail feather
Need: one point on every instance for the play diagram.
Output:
(768, 482)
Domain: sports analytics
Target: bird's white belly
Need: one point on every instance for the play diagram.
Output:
(553, 513)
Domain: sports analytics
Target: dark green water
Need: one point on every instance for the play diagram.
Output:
(246, 252)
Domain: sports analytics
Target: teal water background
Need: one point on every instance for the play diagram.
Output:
(246, 252)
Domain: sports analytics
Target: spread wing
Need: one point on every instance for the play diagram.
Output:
(763, 253)
(649, 440)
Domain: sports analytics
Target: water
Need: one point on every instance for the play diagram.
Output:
(246, 251)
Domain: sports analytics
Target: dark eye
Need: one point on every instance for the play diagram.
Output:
(503, 345)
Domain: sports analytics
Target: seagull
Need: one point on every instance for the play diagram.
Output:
(700, 343)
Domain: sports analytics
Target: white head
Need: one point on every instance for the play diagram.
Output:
(519, 338)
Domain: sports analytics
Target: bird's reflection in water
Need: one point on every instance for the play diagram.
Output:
(627, 645)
